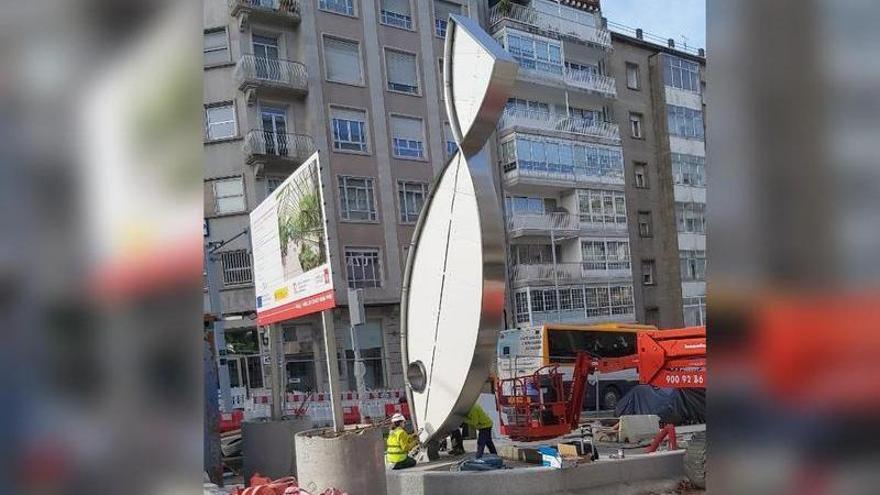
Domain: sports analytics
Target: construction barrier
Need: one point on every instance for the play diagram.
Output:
(376, 405)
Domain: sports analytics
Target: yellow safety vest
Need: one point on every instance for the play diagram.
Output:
(398, 445)
(478, 418)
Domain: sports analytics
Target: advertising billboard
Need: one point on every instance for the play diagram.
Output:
(292, 274)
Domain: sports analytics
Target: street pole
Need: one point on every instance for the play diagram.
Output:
(332, 369)
(276, 358)
(357, 319)
(218, 329)
(555, 265)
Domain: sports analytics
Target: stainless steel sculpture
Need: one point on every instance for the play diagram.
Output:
(453, 297)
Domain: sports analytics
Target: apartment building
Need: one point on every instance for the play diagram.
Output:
(660, 106)
(360, 81)
(561, 165)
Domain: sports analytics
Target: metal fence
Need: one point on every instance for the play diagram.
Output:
(551, 23)
(297, 147)
(236, 267)
(276, 71)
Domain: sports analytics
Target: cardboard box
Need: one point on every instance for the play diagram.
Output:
(569, 449)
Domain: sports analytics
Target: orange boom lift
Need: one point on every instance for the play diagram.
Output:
(539, 406)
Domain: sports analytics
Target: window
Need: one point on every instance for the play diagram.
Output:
(691, 217)
(407, 135)
(521, 301)
(370, 343)
(401, 71)
(693, 265)
(606, 301)
(272, 183)
(652, 316)
(640, 173)
(229, 196)
(396, 13)
(527, 108)
(362, 268)
(357, 202)
(681, 74)
(694, 310)
(236, 267)
(547, 156)
(342, 59)
(344, 7)
(685, 122)
(605, 255)
(411, 198)
(648, 267)
(442, 9)
(451, 146)
(632, 76)
(598, 206)
(689, 170)
(220, 122)
(645, 225)
(535, 53)
(635, 125)
(349, 129)
(216, 48)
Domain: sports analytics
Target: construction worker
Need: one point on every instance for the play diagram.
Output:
(478, 419)
(399, 443)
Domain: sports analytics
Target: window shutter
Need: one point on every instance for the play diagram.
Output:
(401, 68)
(397, 6)
(343, 114)
(443, 9)
(406, 128)
(343, 60)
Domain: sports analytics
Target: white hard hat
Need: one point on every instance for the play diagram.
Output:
(397, 417)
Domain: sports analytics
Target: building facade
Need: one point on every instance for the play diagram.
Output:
(661, 106)
(360, 81)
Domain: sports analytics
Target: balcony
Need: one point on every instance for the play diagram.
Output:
(270, 78)
(563, 225)
(568, 78)
(274, 148)
(550, 24)
(285, 12)
(547, 121)
(568, 273)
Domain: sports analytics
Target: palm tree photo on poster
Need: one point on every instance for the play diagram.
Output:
(300, 224)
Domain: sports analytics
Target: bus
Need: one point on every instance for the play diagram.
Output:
(522, 351)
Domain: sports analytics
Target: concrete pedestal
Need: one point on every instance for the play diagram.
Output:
(267, 447)
(352, 461)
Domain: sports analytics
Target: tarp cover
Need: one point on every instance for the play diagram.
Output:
(676, 406)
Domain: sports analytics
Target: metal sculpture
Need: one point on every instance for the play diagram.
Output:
(453, 291)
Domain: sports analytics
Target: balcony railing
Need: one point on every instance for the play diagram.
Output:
(567, 273)
(590, 81)
(518, 224)
(558, 174)
(562, 224)
(573, 78)
(267, 10)
(283, 74)
(550, 121)
(550, 23)
(266, 145)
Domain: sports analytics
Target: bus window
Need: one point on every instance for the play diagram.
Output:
(563, 345)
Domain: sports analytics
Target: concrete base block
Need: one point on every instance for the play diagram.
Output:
(352, 461)
(640, 474)
(635, 428)
(267, 447)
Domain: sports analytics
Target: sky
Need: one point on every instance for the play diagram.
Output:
(666, 18)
